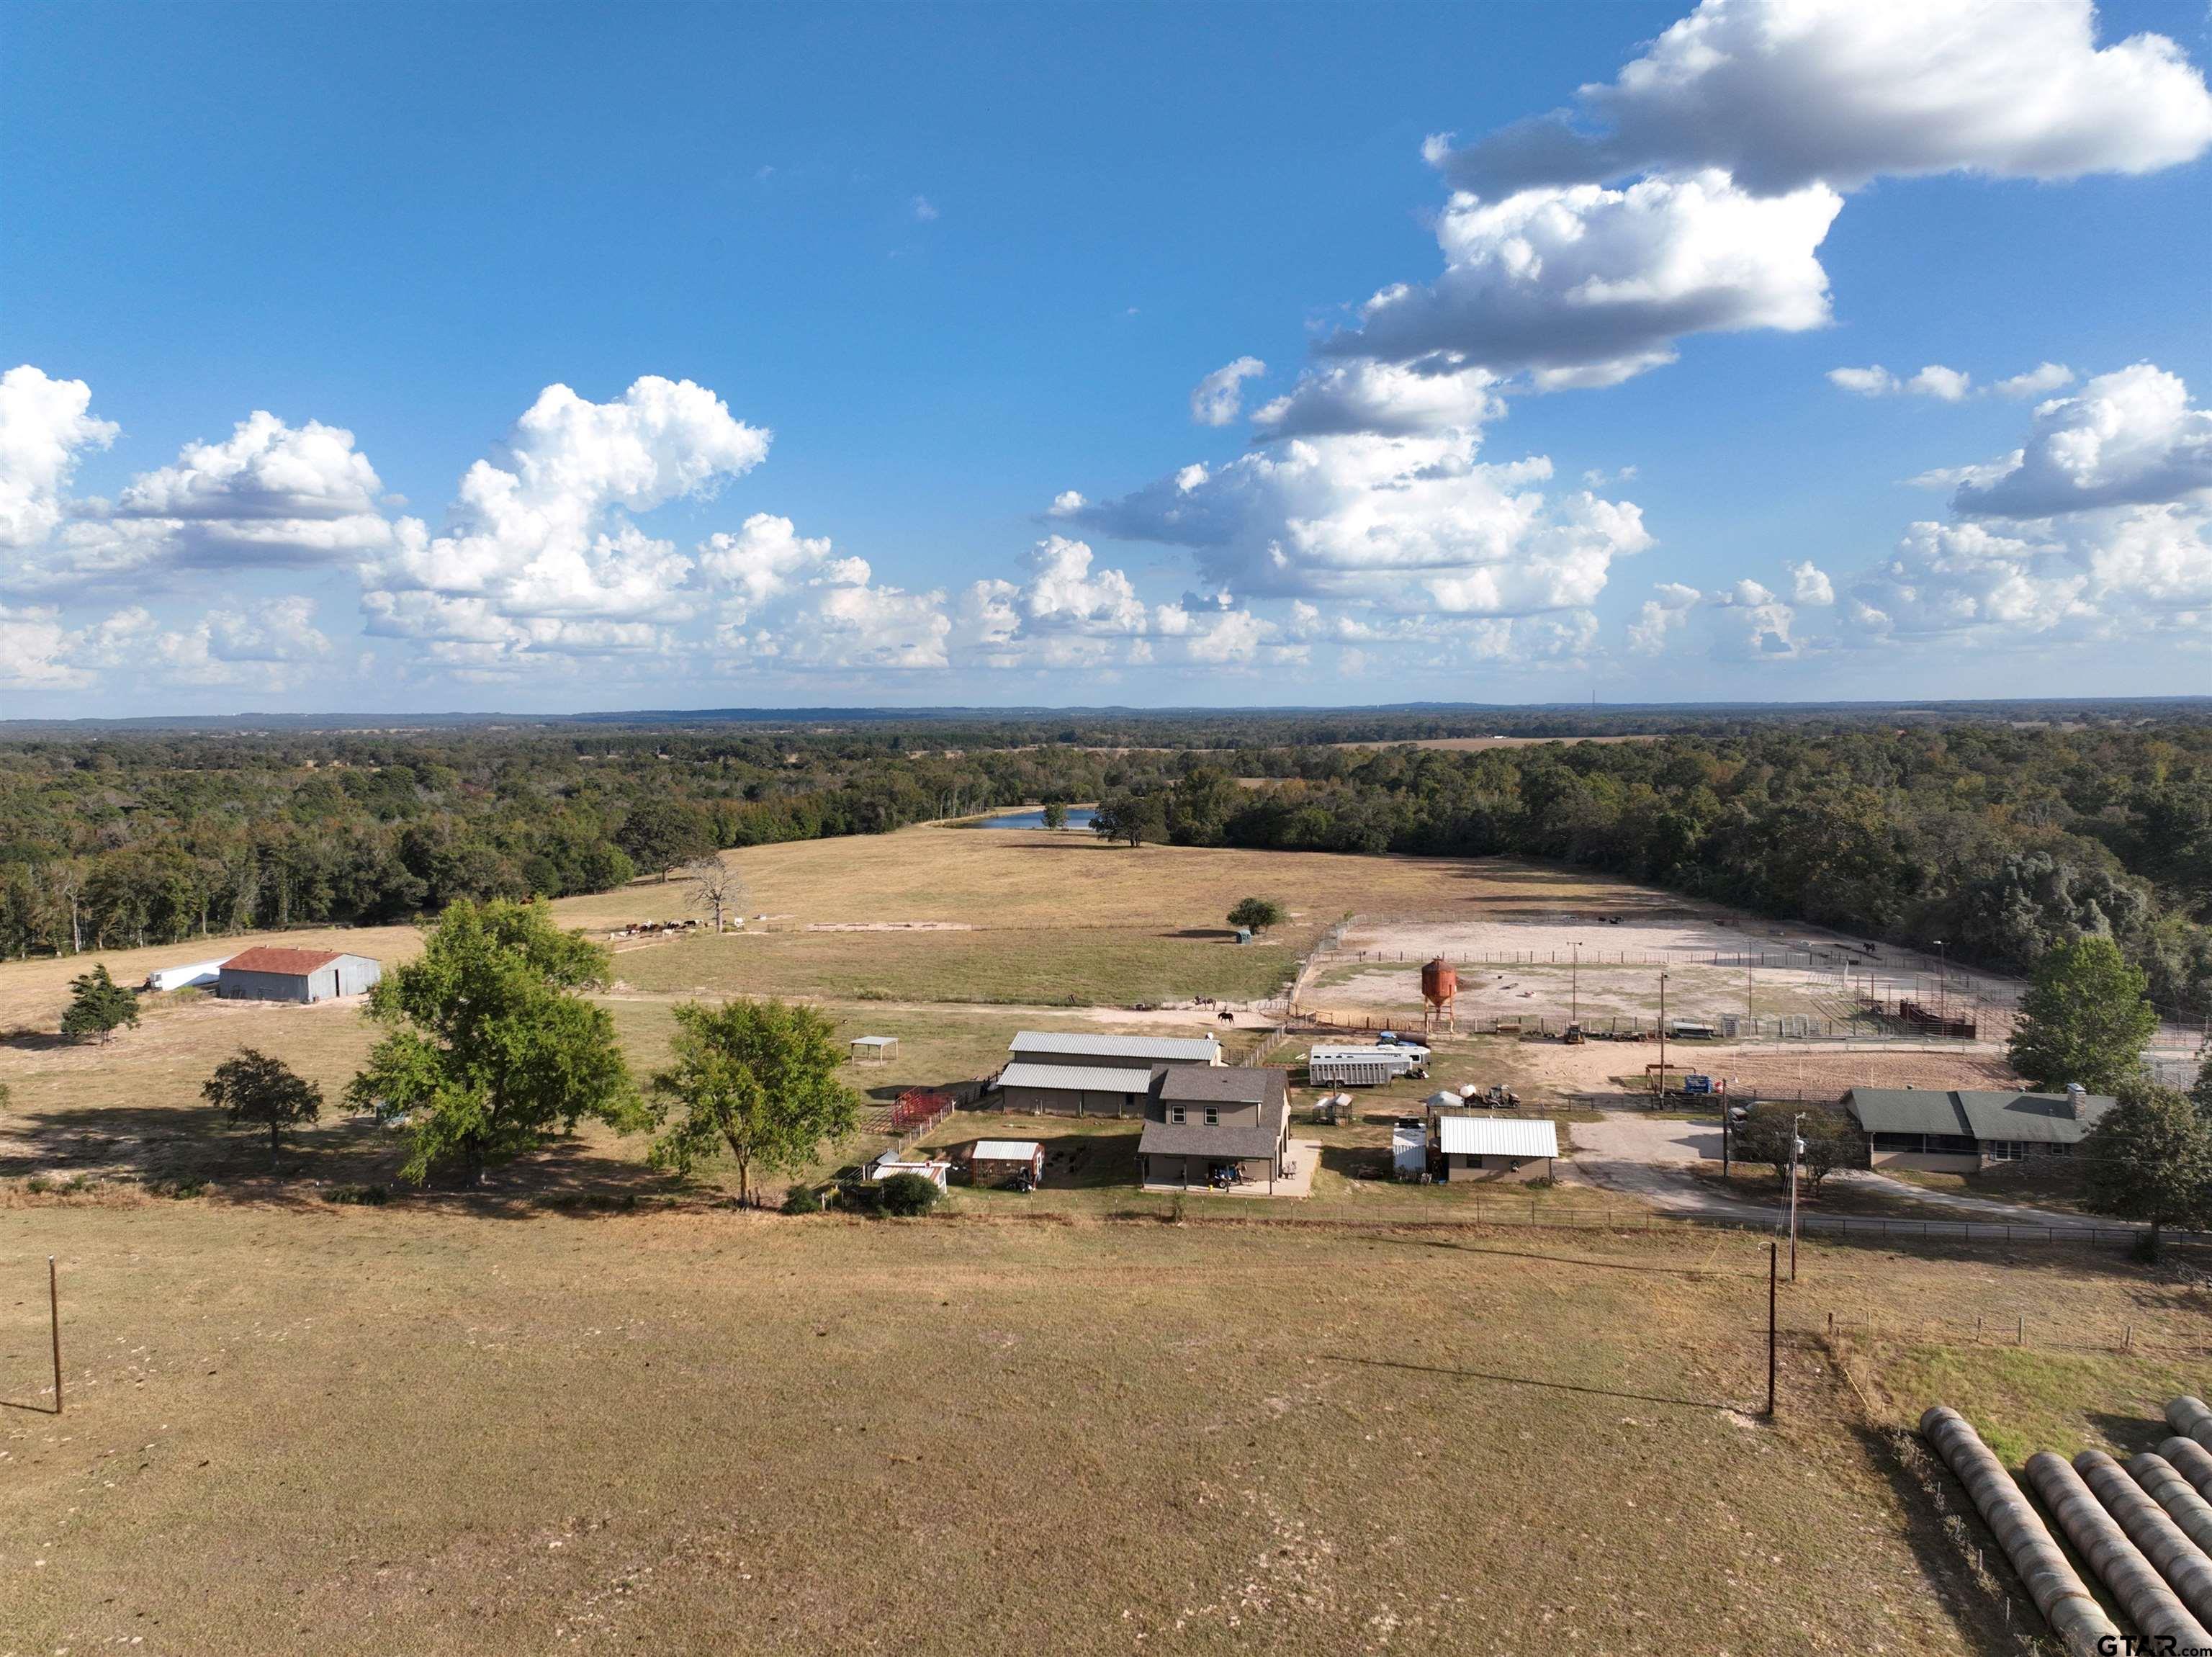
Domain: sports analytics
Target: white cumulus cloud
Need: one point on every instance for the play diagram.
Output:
(1218, 398)
(540, 555)
(1389, 519)
(45, 424)
(1586, 285)
(1783, 93)
(2127, 438)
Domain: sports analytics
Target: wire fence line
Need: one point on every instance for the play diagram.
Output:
(1533, 1212)
(2013, 1328)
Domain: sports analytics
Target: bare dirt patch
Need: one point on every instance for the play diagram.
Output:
(1555, 945)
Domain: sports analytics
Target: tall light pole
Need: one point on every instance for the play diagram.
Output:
(1575, 985)
(1662, 1035)
(1796, 1145)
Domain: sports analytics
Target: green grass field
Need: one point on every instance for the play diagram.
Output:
(398, 1432)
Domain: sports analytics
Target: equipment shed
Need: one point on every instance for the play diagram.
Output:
(1496, 1147)
(1075, 1089)
(271, 973)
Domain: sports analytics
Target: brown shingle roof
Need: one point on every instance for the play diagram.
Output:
(290, 963)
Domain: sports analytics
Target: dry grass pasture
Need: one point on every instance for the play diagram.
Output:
(400, 1432)
(1368, 1421)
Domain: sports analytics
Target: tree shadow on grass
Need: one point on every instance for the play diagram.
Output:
(1084, 1161)
(27, 1041)
(168, 1142)
(157, 1144)
(1524, 1380)
(1357, 1162)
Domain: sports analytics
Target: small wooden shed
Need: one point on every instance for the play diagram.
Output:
(1006, 1162)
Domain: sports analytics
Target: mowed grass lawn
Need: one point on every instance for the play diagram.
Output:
(388, 1432)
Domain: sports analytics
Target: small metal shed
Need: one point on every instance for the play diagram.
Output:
(1409, 1150)
(1477, 1147)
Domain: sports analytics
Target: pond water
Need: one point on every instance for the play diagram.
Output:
(1079, 817)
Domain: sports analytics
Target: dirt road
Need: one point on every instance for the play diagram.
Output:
(1650, 1157)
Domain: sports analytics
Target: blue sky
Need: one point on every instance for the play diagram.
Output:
(965, 263)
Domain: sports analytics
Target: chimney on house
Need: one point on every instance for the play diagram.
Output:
(2076, 1097)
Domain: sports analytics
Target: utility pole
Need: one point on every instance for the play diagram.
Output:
(1943, 980)
(1770, 1275)
(1796, 1144)
(1662, 1035)
(54, 1313)
(1746, 993)
(1575, 986)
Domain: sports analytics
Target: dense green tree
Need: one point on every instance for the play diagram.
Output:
(2084, 1018)
(1258, 913)
(661, 832)
(98, 1005)
(1055, 814)
(1830, 1138)
(1132, 818)
(488, 1048)
(2150, 1160)
(756, 1081)
(255, 1091)
(910, 1196)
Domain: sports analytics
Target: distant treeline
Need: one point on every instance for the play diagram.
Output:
(2000, 836)
(152, 838)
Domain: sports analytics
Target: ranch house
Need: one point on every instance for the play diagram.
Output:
(1965, 1130)
(1216, 1126)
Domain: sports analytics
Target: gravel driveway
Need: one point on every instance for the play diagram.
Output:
(1650, 1157)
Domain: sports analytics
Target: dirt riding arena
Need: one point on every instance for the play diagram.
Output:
(1601, 966)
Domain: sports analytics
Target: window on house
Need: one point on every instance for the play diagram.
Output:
(1213, 1117)
(1175, 1113)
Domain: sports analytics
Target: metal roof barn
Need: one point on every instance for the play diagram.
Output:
(271, 974)
(1077, 1078)
(1489, 1136)
(1174, 1049)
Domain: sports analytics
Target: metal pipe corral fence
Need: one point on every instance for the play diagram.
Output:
(2155, 1609)
(2065, 1601)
